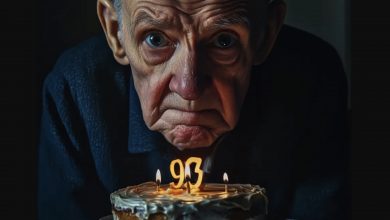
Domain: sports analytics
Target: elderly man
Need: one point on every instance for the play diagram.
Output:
(220, 79)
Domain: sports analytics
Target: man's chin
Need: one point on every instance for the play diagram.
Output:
(190, 137)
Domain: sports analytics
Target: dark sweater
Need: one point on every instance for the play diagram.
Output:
(291, 137)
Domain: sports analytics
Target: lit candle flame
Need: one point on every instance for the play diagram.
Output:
(187, 172)
(179, 176)
(158, 179)
(225, 178)
(158, 176)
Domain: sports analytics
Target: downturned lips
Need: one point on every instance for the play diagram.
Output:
(207, 118)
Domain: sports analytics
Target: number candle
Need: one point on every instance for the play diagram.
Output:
(181, 175)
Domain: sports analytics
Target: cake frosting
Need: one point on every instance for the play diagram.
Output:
(210, 201)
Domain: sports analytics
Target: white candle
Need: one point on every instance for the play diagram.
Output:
(225, 180)
(187, 173)
(158, 179)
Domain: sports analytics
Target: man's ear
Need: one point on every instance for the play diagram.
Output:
(109, 20)
(275, 18)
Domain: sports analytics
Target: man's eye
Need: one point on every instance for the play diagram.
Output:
(156, 39)
(224, 40)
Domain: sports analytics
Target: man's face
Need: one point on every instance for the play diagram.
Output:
(191, 63)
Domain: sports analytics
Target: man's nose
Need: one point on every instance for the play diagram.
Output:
(187, 81)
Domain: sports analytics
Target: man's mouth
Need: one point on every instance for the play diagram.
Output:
(190, 129)
(204, 118)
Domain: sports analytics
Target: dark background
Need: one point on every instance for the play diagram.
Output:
(34, 33)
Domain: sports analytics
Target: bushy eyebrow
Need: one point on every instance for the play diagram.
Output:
(227, 21)
(145, 18)
(219, 22)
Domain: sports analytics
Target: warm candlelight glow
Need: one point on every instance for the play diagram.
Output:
(185, 172)
(179, 176)
(158, 176)
(158, 179)
(225, 180)
(198, 162)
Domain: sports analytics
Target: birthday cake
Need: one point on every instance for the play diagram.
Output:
(210, 201)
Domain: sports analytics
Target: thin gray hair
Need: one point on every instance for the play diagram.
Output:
(118, 8)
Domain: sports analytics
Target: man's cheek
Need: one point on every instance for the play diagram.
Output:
(150, 87)
(142, 84)
(232, 86)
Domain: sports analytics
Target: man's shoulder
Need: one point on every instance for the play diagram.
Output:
(89, 62)
(85, 57)
(299, 56)
(294, 42)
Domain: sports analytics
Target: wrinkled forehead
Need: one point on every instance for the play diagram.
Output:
(193, 6)
(196, 11)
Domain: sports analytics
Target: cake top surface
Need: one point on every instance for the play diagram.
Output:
(144, 199)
